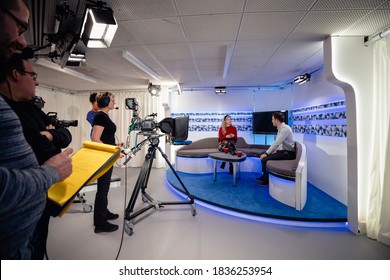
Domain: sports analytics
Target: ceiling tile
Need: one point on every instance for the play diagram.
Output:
(272, 26)
(211, 27)
(199, 7)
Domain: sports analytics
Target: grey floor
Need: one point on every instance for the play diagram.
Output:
(173, 233)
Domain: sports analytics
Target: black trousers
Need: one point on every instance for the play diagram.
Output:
(38, 241)
(101, 199)
(279, 155)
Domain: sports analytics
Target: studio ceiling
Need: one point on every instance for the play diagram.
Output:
(187, 41)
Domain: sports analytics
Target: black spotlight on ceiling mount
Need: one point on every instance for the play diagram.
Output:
(76, 59)
(301, 79)
(220, 90)
(153, 89)
(99, 25)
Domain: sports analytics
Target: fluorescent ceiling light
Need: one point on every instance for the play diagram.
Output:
(131, 58)
(54, 66)
(228, 59)
(179, 88)
(77, 57)
(99, 27)
(76, 60)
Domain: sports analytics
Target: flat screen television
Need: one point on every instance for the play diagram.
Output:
(262, 124)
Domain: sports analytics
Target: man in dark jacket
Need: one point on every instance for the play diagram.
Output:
(40, 131)
(23, 182)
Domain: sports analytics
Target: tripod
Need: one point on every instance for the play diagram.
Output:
(142, 182)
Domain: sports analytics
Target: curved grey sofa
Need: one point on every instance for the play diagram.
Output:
(203, 147)
(288, 179)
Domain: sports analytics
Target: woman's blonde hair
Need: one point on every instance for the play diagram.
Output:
(224, 124)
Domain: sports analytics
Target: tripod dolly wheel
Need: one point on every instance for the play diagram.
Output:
(193, 210)
(129, 228)
(87, 207)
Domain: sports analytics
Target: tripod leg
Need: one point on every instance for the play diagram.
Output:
(176, 175)
(151, 152)
(141, 185)
(138, 185)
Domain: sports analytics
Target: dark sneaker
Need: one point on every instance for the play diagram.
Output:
(112, 216)
(106, 228)
(260, 179)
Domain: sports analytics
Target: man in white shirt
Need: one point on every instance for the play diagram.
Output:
(283, 147)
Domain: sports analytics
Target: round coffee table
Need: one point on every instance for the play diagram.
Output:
(235, 160)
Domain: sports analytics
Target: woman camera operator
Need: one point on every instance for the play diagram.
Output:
(104, 132)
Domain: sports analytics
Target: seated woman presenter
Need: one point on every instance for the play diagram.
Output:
(227, 137)
(104, 132)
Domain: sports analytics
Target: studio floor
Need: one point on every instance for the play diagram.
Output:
(173, 233)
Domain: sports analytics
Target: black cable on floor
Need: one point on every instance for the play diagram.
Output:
(124, 212)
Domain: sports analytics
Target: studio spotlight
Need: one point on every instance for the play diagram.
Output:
(99, 26)
(76, 59)
(301, 79)
(220, 90)
(153, 89)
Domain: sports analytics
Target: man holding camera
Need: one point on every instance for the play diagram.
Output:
(17, 83)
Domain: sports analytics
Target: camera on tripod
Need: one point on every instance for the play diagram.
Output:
(61, 123)
(176, 128)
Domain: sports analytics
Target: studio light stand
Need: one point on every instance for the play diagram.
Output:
(142, 182)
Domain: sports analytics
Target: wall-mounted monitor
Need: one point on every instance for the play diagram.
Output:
(262, 123)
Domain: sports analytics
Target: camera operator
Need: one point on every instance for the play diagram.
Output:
(45, 139)
(104, 132)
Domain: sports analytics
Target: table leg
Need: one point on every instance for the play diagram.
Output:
(234, 173)
(215, 170)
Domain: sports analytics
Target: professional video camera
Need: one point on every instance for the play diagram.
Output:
(40, 103)
(61, 123)
(176, 128)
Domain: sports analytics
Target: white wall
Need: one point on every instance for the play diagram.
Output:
(351, 67)
(234, 100)
(326, 156)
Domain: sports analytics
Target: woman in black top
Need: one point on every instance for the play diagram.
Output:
(104, 132)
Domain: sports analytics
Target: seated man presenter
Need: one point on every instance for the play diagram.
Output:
(283, 147)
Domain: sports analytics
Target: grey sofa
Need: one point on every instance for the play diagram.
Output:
(286, 168)
(203, 147)
(288, 179)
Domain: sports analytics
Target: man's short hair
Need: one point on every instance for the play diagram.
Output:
(92, 97)
(14, 62)
(12, 5)
(278, 116)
